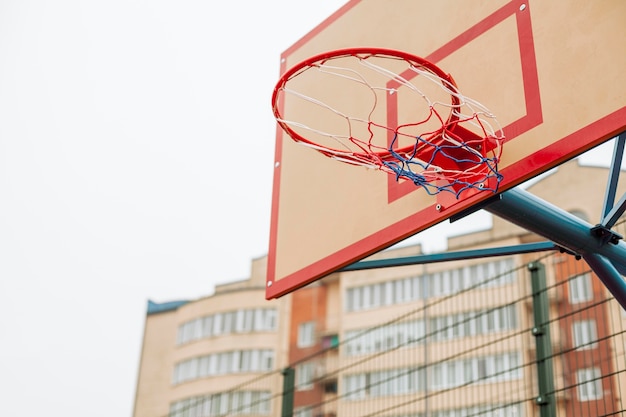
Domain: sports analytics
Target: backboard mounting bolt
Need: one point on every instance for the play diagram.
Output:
(276, 164)
(438, 207)
(522, 7)
(269, 283)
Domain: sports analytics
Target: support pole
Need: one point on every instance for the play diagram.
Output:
(289, 382)
(607, 273)
(543, 342)
(568, 231)
(611, 189)
(451, 256)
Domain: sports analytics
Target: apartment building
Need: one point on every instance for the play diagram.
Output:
(194, 351)
(439, 340)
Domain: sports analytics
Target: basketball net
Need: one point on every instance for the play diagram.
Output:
(394, 112)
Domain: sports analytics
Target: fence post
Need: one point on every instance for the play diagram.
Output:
(288, 391)
(543, 343)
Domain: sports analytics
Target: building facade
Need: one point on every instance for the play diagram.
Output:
(437, 340)
(193, 351)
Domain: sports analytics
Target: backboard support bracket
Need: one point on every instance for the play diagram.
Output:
(452, 256)
(603, 249)
(607, 257)
(475, 208)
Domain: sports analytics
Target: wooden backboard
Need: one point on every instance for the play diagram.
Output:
(551, 71)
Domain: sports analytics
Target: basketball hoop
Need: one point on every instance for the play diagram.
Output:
(392, 111)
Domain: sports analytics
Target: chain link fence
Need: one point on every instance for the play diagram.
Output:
(537, 335)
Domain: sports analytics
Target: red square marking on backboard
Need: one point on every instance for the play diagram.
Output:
(533, 117)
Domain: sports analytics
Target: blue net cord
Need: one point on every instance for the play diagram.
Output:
(437, 173)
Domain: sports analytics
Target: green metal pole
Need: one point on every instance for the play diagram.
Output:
(289, 382)
(541, 330)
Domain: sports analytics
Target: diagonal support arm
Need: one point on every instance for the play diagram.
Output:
(566, 230)
(611, 189)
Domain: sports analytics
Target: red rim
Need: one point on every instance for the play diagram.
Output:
(309, 62)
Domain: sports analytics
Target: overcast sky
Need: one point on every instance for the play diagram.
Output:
(136, 154)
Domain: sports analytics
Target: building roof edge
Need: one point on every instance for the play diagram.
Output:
(155, 308)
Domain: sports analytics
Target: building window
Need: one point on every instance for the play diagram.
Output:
(485, 410)
(354, 386)
(437, 284)
(330, 341)
(304, 376)
(589, 384)
(330, 387)
(306, 334)
(445, 375)
(580, 288)
(383, 383)
(225, 403)
(237, 321)
(585, 334)
(231, 362)
(244, 321)
(303, 412)
(440, 328)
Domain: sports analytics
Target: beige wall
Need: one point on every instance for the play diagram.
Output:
(155, 367)
(160, 352)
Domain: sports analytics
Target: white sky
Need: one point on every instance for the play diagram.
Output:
(136, 154)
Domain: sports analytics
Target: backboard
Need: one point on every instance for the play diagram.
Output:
(552, 73)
